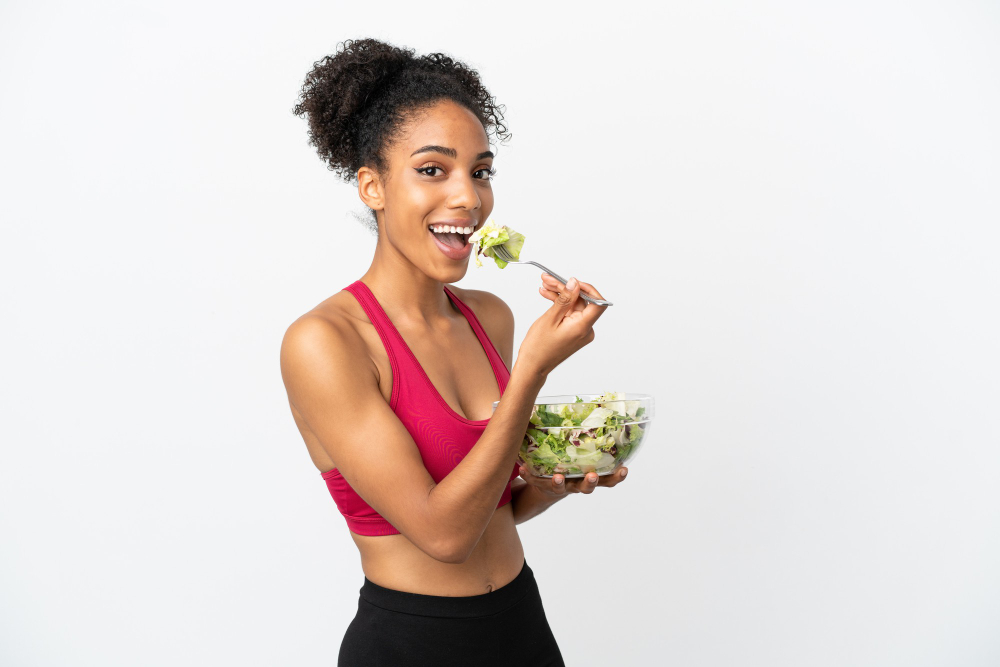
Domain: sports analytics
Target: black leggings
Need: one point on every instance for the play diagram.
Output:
(506, 627)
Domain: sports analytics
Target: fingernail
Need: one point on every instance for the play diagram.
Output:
(558, 480)
(571, 284)
(593, 480)
(624, 472)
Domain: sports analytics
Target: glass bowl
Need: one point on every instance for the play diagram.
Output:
(581, 433)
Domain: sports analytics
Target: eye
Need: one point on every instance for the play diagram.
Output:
(423, 170)
(490, 173)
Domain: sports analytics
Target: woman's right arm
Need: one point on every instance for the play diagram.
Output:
(467, 497)
(330, 382)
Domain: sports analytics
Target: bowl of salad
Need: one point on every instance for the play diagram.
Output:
(574, 435)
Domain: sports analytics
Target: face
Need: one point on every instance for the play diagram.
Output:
(438, 174)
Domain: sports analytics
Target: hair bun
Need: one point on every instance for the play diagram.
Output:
(339, 88)
(374, 66)
(356, 99)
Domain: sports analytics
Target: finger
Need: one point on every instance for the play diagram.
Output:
(558, 485)
(590, 290)
(591, 311)
(554, 285)
(550, 287)
(616, 477)
(585, 484)
(564, 302)
(548, 294)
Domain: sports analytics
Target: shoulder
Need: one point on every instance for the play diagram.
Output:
(494, 315)
(331, 329)
(491, 311)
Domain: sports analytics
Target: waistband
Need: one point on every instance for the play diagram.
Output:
(471, 606)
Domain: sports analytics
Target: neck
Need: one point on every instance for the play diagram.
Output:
(403, 290)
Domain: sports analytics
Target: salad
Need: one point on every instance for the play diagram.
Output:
(574, 438)
(491, 234)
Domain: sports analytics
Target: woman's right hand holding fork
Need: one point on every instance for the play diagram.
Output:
(564, 328)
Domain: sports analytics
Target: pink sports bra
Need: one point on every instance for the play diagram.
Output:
(442, 435)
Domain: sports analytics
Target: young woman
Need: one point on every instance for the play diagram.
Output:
(391, 380)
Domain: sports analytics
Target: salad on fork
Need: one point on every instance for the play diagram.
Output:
(504, 245)
(486, 238)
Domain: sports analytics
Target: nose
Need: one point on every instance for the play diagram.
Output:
(464, 195)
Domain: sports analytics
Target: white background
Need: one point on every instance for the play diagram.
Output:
(794, 209)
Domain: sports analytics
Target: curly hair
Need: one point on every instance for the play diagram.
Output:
(357, 100)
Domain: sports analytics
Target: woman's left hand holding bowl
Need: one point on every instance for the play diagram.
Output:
(558, 486)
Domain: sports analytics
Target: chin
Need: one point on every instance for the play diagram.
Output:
(451, 276)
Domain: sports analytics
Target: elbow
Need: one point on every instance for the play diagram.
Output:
(444, 545)
(452, 552)
(448, 545)
(453, 559)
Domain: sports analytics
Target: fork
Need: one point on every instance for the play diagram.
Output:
(505, 255)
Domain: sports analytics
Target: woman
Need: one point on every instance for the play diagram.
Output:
(389, 384)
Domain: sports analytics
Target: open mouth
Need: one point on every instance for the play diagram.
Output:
(455, 240)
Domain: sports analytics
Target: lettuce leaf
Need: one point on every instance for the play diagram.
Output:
(580, 436)
(492, 234)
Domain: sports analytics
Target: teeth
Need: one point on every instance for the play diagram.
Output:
(440, 229)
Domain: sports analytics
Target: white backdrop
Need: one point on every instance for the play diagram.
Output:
(794, 210)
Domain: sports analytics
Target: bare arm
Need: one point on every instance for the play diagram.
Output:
(331, 387)
(468, 496)
(526, 501)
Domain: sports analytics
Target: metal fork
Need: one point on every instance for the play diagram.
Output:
(505, 255)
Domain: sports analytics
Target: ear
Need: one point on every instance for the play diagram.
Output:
(370, 188)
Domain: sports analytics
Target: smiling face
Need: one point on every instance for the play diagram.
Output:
(439, 170)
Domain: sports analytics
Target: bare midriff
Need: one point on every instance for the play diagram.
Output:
(392, 561)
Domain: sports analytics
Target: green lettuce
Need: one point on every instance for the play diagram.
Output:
(491, 234)
(582, 436)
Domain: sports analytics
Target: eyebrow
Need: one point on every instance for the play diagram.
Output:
(450, 152)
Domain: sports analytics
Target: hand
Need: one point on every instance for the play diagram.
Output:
(558, 486)
(551, 288)
(563, 329)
